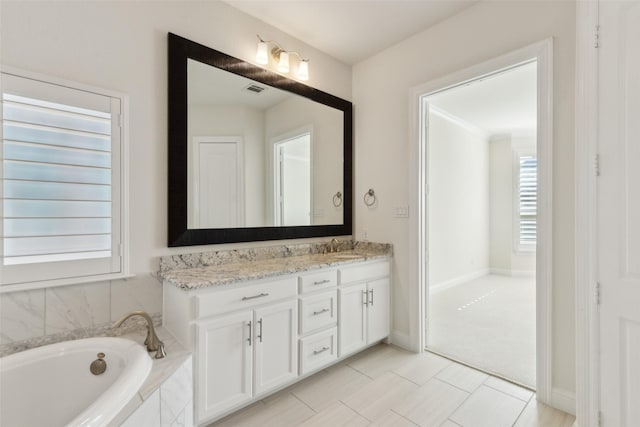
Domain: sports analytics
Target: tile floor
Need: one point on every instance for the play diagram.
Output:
(387, 386)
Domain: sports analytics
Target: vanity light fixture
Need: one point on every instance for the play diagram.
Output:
(283, 63)
(262, 56)
(303, 70)
(282, 56)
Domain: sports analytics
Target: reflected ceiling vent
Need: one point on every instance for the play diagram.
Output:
(253, 88)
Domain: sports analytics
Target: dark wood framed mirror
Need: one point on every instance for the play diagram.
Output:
(252, 154)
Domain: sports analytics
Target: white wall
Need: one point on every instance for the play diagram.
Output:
(122, 46)
(458, 168)
(381, 87)
(501, 202)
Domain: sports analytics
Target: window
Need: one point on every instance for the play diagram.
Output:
(527, 192)
(61, 183)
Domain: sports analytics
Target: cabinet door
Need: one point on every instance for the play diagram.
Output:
(352, 323)
(276, 352)
(224, 363)
(378, 310)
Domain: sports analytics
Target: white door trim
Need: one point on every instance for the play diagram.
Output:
(274, 141)
(543, 53)
(587, 326)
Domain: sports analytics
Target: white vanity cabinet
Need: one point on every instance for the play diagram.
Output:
(223, 342)
(275, 345)
(254, 337)
(244, 354)
(363, 309)
(244, 337)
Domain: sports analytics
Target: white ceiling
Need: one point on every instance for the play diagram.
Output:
(351, 30)
(498, 104)
(211, 86)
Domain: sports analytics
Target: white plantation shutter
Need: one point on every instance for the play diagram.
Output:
(61, 182)
(527, 196)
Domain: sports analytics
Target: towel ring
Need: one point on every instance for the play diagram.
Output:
(337, 199)
(370, 197)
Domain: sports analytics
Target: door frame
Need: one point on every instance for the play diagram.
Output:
(542, 52)
(587, 319)
(272, 147)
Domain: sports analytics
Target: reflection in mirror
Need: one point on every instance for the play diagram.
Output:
(253, 155)
(292, 160)
(259, 156)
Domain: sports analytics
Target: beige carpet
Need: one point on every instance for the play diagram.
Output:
(489, 323)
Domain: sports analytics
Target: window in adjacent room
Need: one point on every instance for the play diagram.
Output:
(62, 183)
(527, 200)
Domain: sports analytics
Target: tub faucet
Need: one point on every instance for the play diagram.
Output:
(152, 341)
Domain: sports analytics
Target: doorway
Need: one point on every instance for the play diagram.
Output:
(453, 252)
(481, 210)
(292, 176)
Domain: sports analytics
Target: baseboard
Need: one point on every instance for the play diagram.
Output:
(400, 339)
(512, 273)
(447, 284)
(564, 400)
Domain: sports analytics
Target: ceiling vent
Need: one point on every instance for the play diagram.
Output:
(253, 88)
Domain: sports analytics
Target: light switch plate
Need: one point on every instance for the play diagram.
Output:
(401, 212)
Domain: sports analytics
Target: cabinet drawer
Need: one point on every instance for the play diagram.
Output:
(317, 281)
(359, 273)
(222, 301)
(318, 350)
(318, 311)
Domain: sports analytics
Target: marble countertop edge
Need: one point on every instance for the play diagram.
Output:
(231, 273)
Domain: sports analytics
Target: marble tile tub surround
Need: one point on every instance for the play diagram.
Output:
(166, 397)
(200, 270)
(38, 317)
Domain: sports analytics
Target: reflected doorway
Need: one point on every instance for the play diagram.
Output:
(292, 176)
(218, 189)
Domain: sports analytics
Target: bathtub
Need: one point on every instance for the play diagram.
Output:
(52, 385)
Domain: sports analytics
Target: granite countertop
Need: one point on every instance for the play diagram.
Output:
(242, 270)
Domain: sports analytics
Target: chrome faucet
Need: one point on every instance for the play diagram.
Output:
(152, 341)
(333, 245)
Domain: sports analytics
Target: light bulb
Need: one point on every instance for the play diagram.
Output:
(303, 70)
(283, 65)
(262, 55)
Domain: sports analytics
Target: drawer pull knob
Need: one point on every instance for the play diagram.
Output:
(264, 294)
(322, 350)
(324, 310)
(322, 282)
